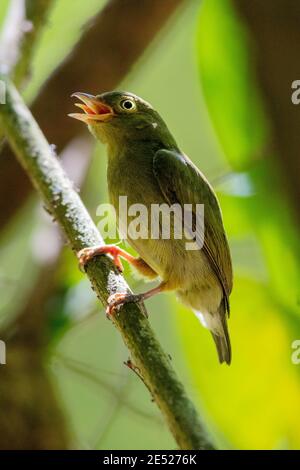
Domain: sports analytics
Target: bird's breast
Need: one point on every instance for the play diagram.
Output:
(136, 196)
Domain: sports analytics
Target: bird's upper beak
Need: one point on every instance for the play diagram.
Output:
(94, 109)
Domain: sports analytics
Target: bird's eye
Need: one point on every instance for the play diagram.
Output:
(128, 105)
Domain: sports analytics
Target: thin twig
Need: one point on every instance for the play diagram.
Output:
(11, 37)
(84, 371)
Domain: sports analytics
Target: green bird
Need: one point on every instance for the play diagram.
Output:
(146, 165)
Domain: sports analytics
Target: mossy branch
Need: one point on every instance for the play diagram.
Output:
(63, 202)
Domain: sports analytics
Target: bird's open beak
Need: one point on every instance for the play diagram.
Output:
(94, 109)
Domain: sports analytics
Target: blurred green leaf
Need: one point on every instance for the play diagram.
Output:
(227, 79)
(254, 402)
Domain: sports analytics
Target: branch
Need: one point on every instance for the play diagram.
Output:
(21, 31)
(13, 30)
(22, 28)
(108, 48)
(45, 172)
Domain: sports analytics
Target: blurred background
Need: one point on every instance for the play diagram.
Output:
(220, 73)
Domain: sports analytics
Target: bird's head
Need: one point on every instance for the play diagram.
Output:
(116, 115)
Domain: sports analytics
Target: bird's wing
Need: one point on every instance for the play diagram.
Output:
(182, 182)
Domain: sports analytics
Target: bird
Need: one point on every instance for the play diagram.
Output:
(146, 166)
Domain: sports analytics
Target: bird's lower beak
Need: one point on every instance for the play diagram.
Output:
(94, 109)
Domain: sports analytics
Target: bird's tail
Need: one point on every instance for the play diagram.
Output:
(221, 337)
(217, 324)
(223, 347)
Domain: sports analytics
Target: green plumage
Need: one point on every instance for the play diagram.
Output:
(146, 165)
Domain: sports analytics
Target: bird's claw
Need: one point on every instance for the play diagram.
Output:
(118, 263)
(86, 254)
(114, 303)
(117, 300)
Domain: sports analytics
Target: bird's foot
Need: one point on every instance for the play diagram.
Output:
(116, 301)
(86, 254)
